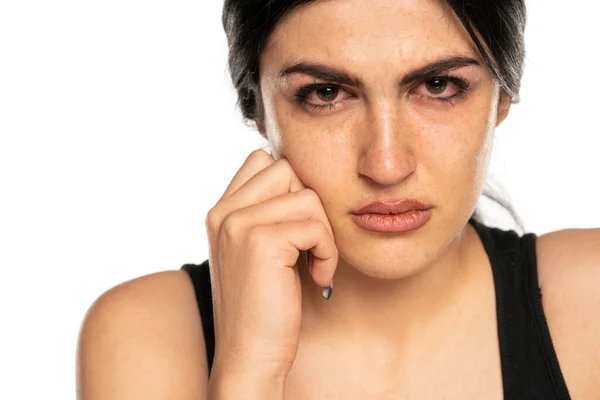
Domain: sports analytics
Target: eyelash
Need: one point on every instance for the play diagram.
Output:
(462, 84)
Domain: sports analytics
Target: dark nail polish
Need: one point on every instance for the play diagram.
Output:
(327, 291)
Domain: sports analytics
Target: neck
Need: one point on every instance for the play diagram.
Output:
(363, 309)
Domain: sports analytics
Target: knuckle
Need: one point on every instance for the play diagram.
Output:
(311, 195)
(320, 228)
(260, 157)
(257, 234)
(318, 225)
(258, 153)
(284, 162)
(230, 227)
(212, 220)
(312, 201)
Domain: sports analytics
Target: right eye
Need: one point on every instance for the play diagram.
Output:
(319, 95)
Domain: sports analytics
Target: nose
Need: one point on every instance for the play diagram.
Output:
(386, 144)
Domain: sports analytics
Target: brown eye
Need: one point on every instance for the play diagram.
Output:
(436, 85)
(327, 93)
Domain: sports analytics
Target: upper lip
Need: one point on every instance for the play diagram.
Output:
(392, 206)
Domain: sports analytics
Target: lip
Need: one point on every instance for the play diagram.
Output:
(393, 223)
(393, 206)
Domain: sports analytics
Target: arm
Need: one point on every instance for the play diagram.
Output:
(242, 386)
(143, 340)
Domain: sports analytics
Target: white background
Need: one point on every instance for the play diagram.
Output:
(118, 132)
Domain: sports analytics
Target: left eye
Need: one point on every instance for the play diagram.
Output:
(438, 86)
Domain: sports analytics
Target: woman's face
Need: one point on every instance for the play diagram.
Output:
(381, 134)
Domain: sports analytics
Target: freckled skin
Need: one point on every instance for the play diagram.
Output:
(384, 141)
(381, 141)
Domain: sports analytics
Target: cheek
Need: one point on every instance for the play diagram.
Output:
(313, 148)
(454, 147)
(310, 139)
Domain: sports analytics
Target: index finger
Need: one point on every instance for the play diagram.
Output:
(257, 161)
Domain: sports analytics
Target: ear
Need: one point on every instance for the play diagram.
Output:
(503, 107)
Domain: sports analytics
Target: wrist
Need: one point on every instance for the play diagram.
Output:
(250, 385)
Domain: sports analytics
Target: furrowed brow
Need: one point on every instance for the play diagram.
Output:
(333, 75)
(438, 67)
(322, 72)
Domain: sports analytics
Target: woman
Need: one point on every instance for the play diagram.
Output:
(371, 108)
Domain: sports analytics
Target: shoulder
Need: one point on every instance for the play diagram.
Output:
(569, 278)
(569, 263)
(143, 339)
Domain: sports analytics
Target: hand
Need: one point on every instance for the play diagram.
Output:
(256, 232)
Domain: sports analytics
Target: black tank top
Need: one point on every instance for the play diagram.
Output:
(530, 369)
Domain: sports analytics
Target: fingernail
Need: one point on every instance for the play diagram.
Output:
(327, 291)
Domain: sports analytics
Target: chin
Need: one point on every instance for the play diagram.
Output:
(394, 256)
(378, 263)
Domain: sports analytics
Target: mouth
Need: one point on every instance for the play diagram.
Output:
(392, 206)
(392, 215)
(393, 223)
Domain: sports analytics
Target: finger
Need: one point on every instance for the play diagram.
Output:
(301, 205)
(278, 179)
(255, 162)
(307, 235)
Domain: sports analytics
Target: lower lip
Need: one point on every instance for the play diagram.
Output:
(393, 223)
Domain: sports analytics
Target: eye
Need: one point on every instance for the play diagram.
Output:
(436, 85)
(327, 93)
(317, 96)
(452, 86)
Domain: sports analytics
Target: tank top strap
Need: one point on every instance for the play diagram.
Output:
(530, 368)
(200, 276)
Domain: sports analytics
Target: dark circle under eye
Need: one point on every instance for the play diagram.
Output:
(436, 85)
(327, 93)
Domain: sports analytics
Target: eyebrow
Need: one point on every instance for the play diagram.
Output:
(329, 74)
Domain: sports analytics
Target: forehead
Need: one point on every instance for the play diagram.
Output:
(375, 34)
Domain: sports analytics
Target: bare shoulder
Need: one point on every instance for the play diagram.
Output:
(569, 278)
(143, 339)
(569, 264)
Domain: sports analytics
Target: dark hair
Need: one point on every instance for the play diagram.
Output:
(495, 26)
